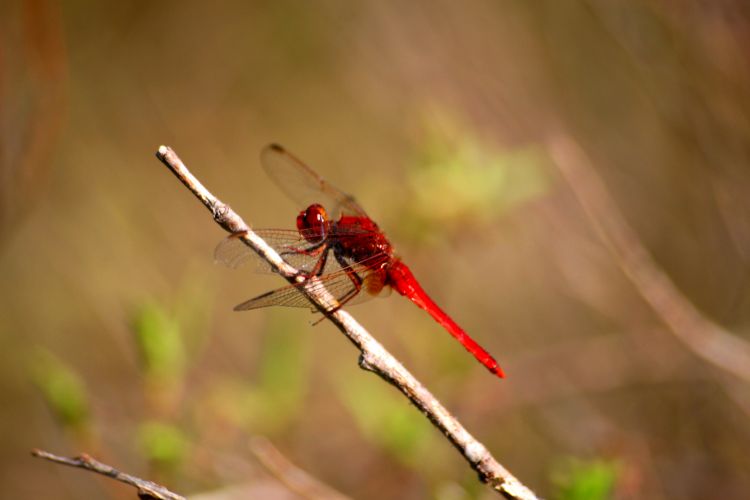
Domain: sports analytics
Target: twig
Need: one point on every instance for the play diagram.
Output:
(373, 356)
(147, 490)
(293, 477)
(702, 336)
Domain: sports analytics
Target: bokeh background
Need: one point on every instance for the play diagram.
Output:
(611, 284)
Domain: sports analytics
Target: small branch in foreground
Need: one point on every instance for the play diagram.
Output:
(374, 357)
(147, 490)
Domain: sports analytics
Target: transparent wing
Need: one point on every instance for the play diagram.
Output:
(349, 285)
(305, 187)
(296, 247)
(290, 244)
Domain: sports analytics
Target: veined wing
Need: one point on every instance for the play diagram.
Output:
(298, 248)
(303, 185)
(339, 284)
(234, 253)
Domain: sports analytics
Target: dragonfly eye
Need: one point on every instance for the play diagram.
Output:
(313, 218)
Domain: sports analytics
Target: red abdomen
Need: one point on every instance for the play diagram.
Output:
(404, 282)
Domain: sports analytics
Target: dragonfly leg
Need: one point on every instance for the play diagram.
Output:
(312, 251)
(347, 296)
(356, 280)
(317, 270)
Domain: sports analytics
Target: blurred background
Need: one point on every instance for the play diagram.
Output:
(569, 180)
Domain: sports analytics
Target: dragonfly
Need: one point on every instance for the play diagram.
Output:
(335, 246)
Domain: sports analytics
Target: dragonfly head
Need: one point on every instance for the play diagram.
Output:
(314, 221)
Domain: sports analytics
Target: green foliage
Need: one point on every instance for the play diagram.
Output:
(449, 490)
(159, 343)
(163, 444)
(456, 177)
(62, 389)
(283, 363)
(581, 480)
(269, 405)
(386, 418)
(193, 308)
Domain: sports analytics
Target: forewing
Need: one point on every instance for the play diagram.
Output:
(298, 248)
(303, 185)
(234, 253)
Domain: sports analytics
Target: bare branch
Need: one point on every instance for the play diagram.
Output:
(146, 489)
(373, 357)
(702, 336)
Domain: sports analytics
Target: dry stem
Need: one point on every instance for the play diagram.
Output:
(705, 338)
(146, 489)
(293, 477)
(373, 357)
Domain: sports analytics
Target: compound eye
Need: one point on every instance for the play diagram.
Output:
(314, 217)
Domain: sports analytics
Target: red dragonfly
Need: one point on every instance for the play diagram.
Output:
(342, 248)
